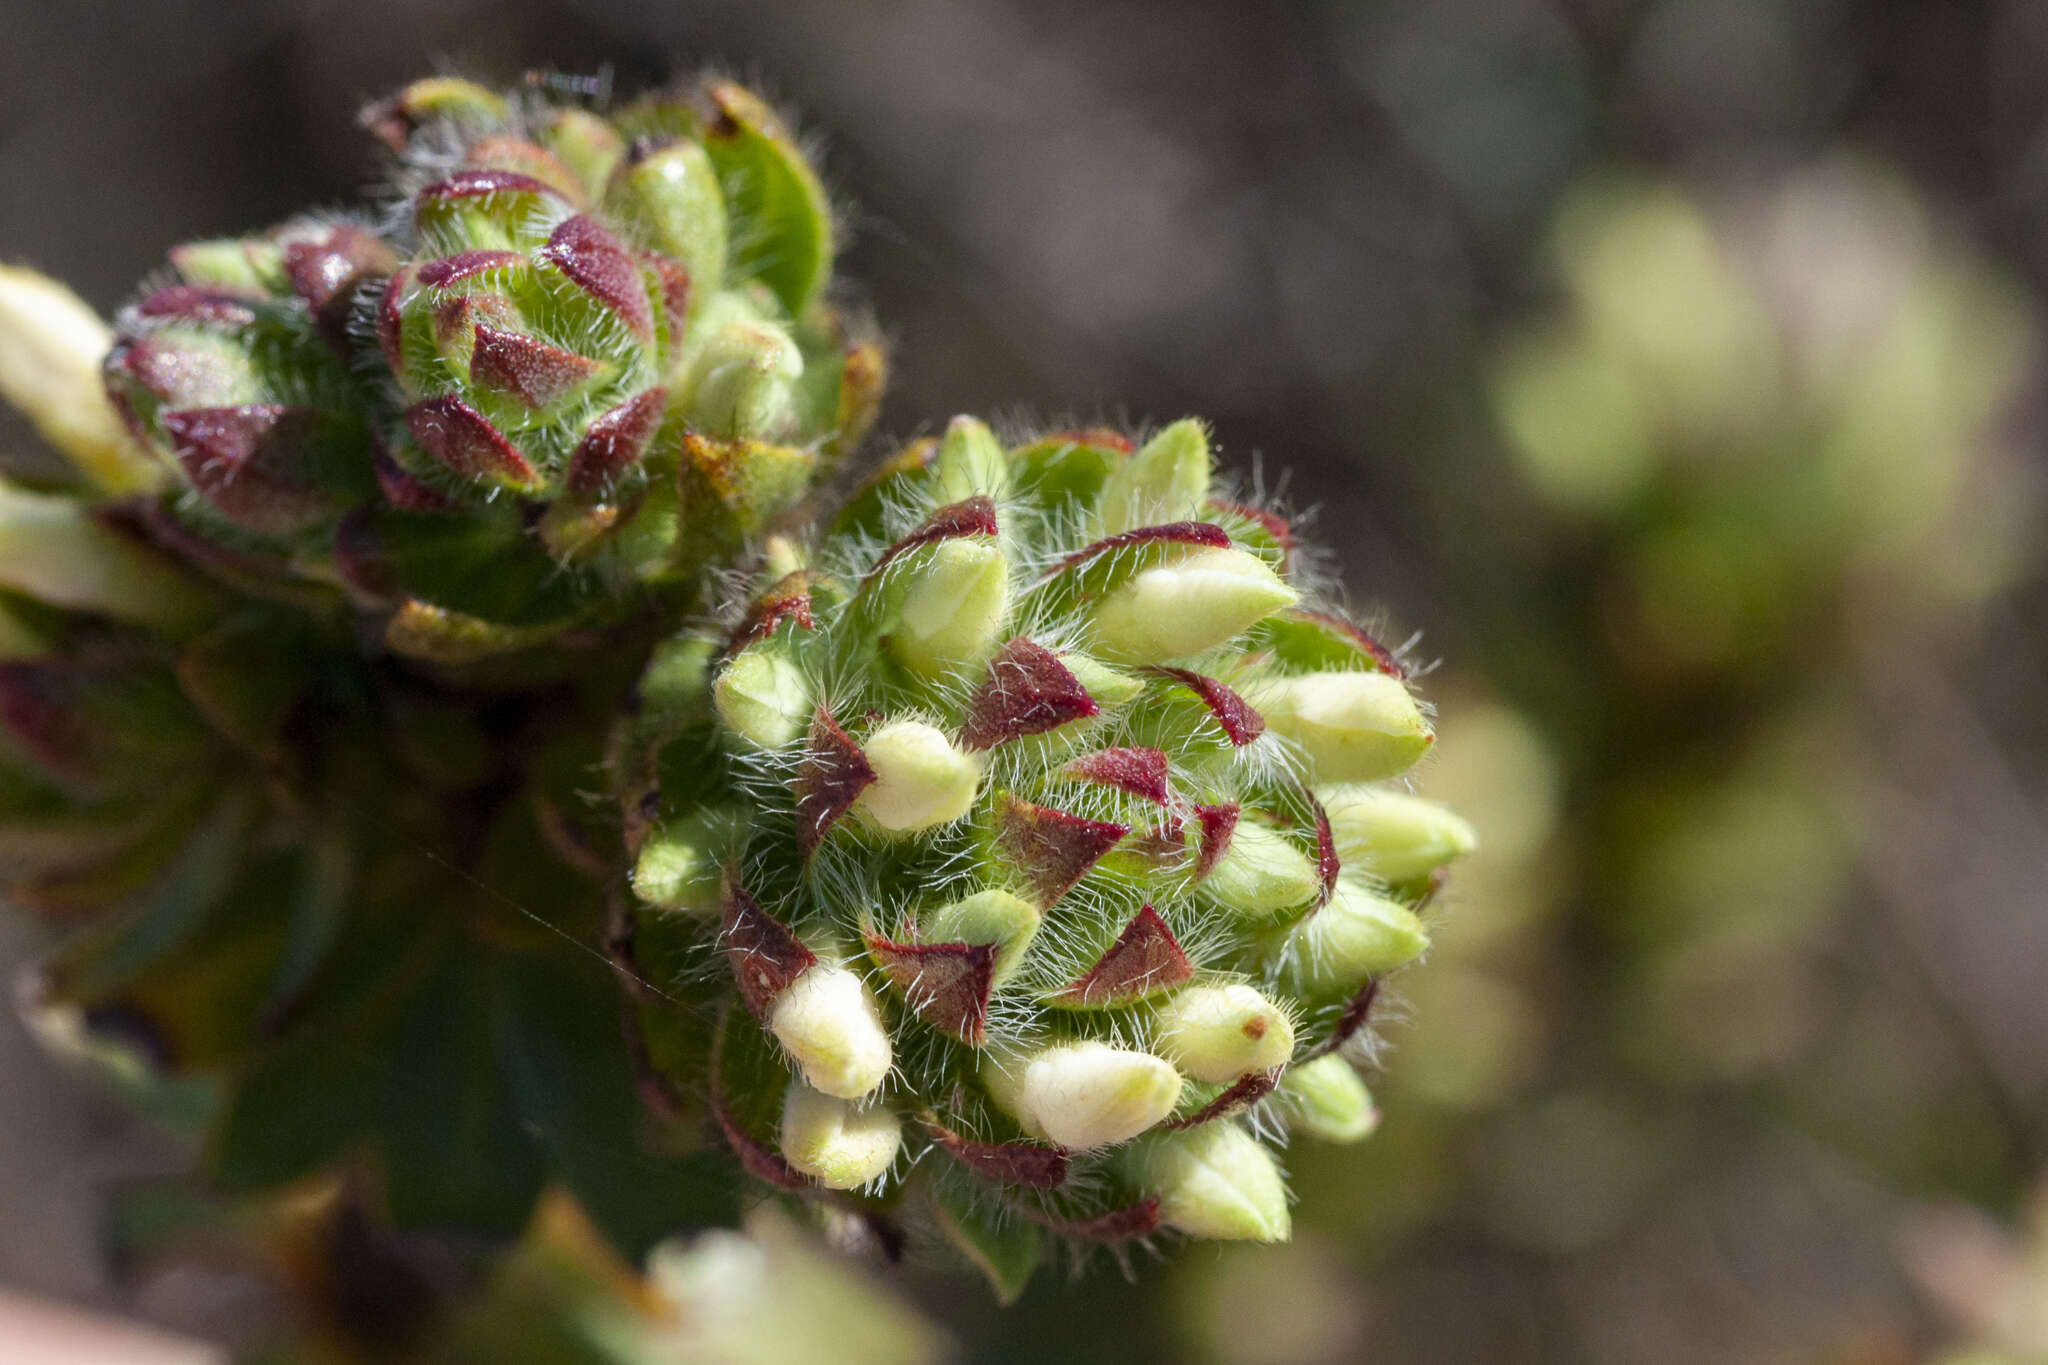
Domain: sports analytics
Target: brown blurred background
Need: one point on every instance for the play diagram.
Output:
(1674, 364)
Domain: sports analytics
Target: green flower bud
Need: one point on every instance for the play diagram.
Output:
(970, 461)
(835, 1144)
(1219, 1033)
(832, 1029)
(921, 779)
(1394, 836)
(762, 697)
(953, 603)
(678, 867)
(1358, 935)
(986, 917)
(667, 200)
(1353, 727)
(743, 383)
(51, 346)
(1214, 1180)
(1261, 873)
(1194, 600)
(1166, 481)
(1327, 1099)
(1083, 1095)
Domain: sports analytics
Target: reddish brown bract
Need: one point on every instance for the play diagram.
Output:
(1051, 848)
(1006, 1163)
(457, 435)
(833, 774)
(614, 442)
(974, 517)
(594, 260)
(1239, 722)
(1138, 770)
(1244, 1092)
(786, 599)
(1219, 823)
(946, 984)
(1172, 533)
(764, 955)
(1144, 960)
(1026, 691)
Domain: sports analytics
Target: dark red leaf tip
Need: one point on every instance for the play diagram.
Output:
(1103, 438)
(461, 438)
(1219, 823)
(615, 442)
(831, 777)
(1243, 1093)
(1118, 1225)
(1234, 715)
(527, 368)
(1005, 1163)
(1382, 657)
(1026, 691)
(974, 517)
(1172, 533)
(446, 270)
(1139, 770)
(594, 260)
(235, 458)
(401, 489)
(1051, 849)
(198, 303)
(764, 955)
(482, 183)
(946, 984)
(1357, 1014)
(1275, 525)
(1327, 865)
(786, 599)
(1144, 960)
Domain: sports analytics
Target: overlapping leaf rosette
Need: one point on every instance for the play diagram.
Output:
(310, 661)
(581, 358)
(1035, 841)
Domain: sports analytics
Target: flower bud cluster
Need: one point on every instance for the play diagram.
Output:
(1049, 837)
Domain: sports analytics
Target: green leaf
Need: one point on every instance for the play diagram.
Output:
(1006, 1249)
(562, 1049)
(781, 222)
(456, 1153)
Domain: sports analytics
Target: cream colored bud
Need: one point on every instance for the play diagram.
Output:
(51, 346)
(1353, 727)
(1166, 480)
(921, 779)
(970, 462)
(1214, 1180)
(829, 1024)
(1394, 836)
(1083, 1095)
(762, 697)
(1195, 600)
(835, 1144)
(953, 605)
(1357, 936)
(997, 917)
(1327, 1099)
(1262, 873)
(1219, 1033)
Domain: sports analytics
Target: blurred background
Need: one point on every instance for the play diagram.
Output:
(1674, 366)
